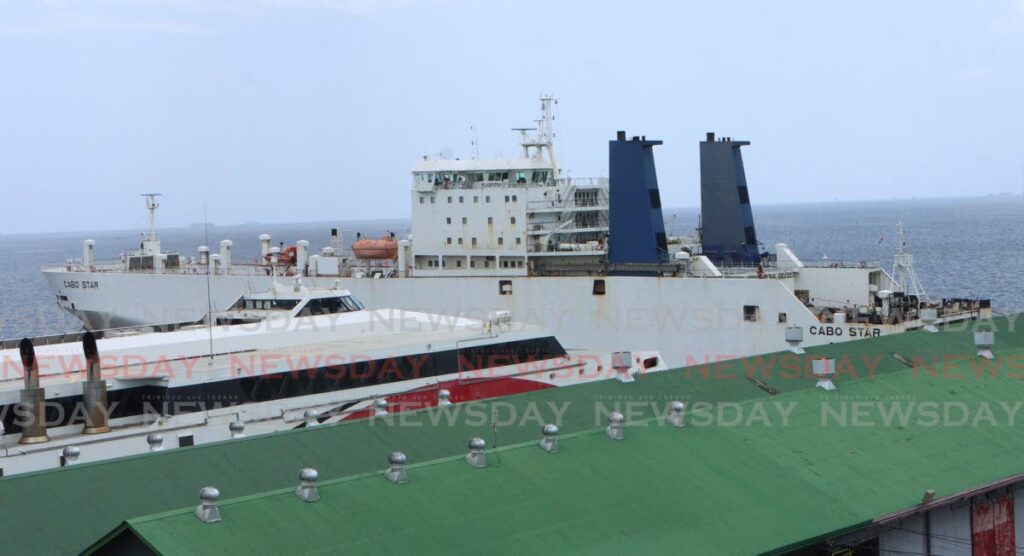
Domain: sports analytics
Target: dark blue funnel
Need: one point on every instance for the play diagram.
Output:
(637, 228)
(727, 224)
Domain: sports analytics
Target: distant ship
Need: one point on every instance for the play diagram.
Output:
(586, 257)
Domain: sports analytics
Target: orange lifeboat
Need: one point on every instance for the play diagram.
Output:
(383, 248)
(287, 256)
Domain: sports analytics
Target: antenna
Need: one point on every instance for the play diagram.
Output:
(209, 300)
(475, 144)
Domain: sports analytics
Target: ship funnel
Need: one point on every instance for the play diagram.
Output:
(264, 245)
(33, 398)
(301, 256)
(94, 389)
(727, 223)
(636, 223)
(89, 254)
(225, 254)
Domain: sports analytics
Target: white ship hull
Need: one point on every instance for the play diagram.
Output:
(688, 320)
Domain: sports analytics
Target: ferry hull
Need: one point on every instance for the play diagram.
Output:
(687, 320)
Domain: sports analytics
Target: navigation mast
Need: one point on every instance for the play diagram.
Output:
(150, 242)
(903, 267)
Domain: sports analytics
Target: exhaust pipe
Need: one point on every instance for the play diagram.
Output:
(94, 389)
(33, 398)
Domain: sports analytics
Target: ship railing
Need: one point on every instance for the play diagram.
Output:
(567, 205)
(72, 337)
(845, 263)
(585, 182)
(236, 268)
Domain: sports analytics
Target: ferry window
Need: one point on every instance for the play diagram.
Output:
(487, 199)
(519, 241)
(472, 264)
(504, 287)
(520, 177)
(750, 313)
(501, 241)
(490, 220)
(513, 220)
(598, 287)
(461, 199)
(460, 241)
(506, 198)
(474, 242)
(421, 199)
(464, 220)
(449, 241)
(513, 198)
(432, 199)
(476, 198)
(448, 220)
(458, 263)
(782, 318)
(449, 199)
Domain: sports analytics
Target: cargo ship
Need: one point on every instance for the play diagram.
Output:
(588, 258)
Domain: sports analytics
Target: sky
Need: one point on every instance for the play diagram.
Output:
(315, 110)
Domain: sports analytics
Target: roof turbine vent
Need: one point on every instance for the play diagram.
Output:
(156, 442)
(70, 455)
(928, 317)
(824, 370)
(549, 443)
(207, 510)
(476, 456)
(237, 429)
(443, 397)
(306, 491)
(622, 362)
(311, 417)
(677, 414)
(396, 472)
(380, 407)
(985, 339)
(794, 336)
(614, 428)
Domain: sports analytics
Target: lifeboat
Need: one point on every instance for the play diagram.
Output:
(287, 256)
(383, 248)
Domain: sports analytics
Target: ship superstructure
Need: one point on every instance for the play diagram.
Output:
(588, 258)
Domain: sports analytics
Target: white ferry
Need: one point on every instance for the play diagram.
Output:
(586, 257)
(290, 357)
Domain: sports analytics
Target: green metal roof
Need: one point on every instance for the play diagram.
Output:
(740, 490)
(670, 484)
